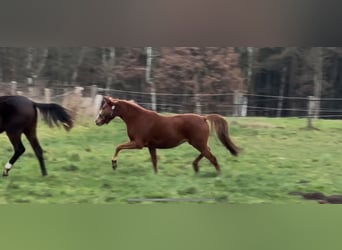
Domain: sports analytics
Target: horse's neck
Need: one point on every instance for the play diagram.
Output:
(131, 113)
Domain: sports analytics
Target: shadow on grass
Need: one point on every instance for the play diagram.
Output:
(208, 174)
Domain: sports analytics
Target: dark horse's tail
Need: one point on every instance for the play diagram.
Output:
(220, 125)
(54, 113)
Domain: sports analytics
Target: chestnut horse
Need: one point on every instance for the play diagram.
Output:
(18, 115)
(149, 129)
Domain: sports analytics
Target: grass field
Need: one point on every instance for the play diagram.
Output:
(279, 157)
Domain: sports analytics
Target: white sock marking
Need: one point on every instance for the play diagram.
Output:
(8, 165)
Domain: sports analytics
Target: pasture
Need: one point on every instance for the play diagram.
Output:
(278, 157)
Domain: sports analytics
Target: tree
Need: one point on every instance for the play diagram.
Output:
(194, 71)
(109, 61)
(35, 62)
(149, 81)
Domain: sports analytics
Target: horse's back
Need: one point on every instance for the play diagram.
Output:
(189, 121)
(15, 100)
(16, 105)
(15, 110)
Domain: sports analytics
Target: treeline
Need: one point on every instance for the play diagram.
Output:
(294, 72)
(188, 72)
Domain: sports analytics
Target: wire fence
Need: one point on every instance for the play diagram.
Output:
(178, 102)
(227, 104)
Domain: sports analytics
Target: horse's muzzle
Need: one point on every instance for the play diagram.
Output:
(98, 123)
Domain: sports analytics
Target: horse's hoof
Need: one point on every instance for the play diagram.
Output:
(114, 164)
(5, 173)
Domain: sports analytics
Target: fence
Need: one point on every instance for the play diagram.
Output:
(237, 104)
(87, 101)
(80, 100)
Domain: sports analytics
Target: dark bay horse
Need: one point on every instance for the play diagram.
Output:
(149, 129)
(18, 115)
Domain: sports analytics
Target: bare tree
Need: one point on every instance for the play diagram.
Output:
(282, 90)
(196, 83)
(29, 64)
(149, 80)
(318, 77)
(109, 61)
(42, 62)
(35, 63)
(80, 59)
(250, 51)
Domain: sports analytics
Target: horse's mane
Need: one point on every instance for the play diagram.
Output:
(132, 103)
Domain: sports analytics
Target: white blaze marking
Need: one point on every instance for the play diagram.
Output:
(99, 115)
(8, 165)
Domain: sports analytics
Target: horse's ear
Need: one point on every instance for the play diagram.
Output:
(107, 99)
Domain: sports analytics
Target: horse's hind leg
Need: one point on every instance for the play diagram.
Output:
(19, 149)
(207, 154)
(201, 144)
(32, 138)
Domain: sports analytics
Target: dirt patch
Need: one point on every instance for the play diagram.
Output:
(320, 197)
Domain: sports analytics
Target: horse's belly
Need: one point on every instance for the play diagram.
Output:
(165, 144)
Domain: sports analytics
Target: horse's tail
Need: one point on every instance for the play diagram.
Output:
(220, 125)
(54, 113)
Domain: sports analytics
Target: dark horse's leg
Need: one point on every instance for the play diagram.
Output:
(19, 149)
(153, 153)
(127, 145)
(32, 138)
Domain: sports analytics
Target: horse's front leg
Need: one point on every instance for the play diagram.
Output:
(153, 153)
(19, 149)
(127, 145)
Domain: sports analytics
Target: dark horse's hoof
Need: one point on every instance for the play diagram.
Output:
(5, 173)
(114, 164)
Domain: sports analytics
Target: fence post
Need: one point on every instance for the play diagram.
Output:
(79, 91)
(311, 110)
(77, 102)
(93, 92)
(198, 108)
(317, 104)
(31, 92)
(97, 104)
(47, 94)
(237, 102)
(13, 88)
(244, 108)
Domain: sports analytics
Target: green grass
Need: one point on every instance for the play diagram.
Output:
(279, 157)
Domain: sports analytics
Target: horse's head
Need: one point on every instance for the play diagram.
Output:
(107, 112)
